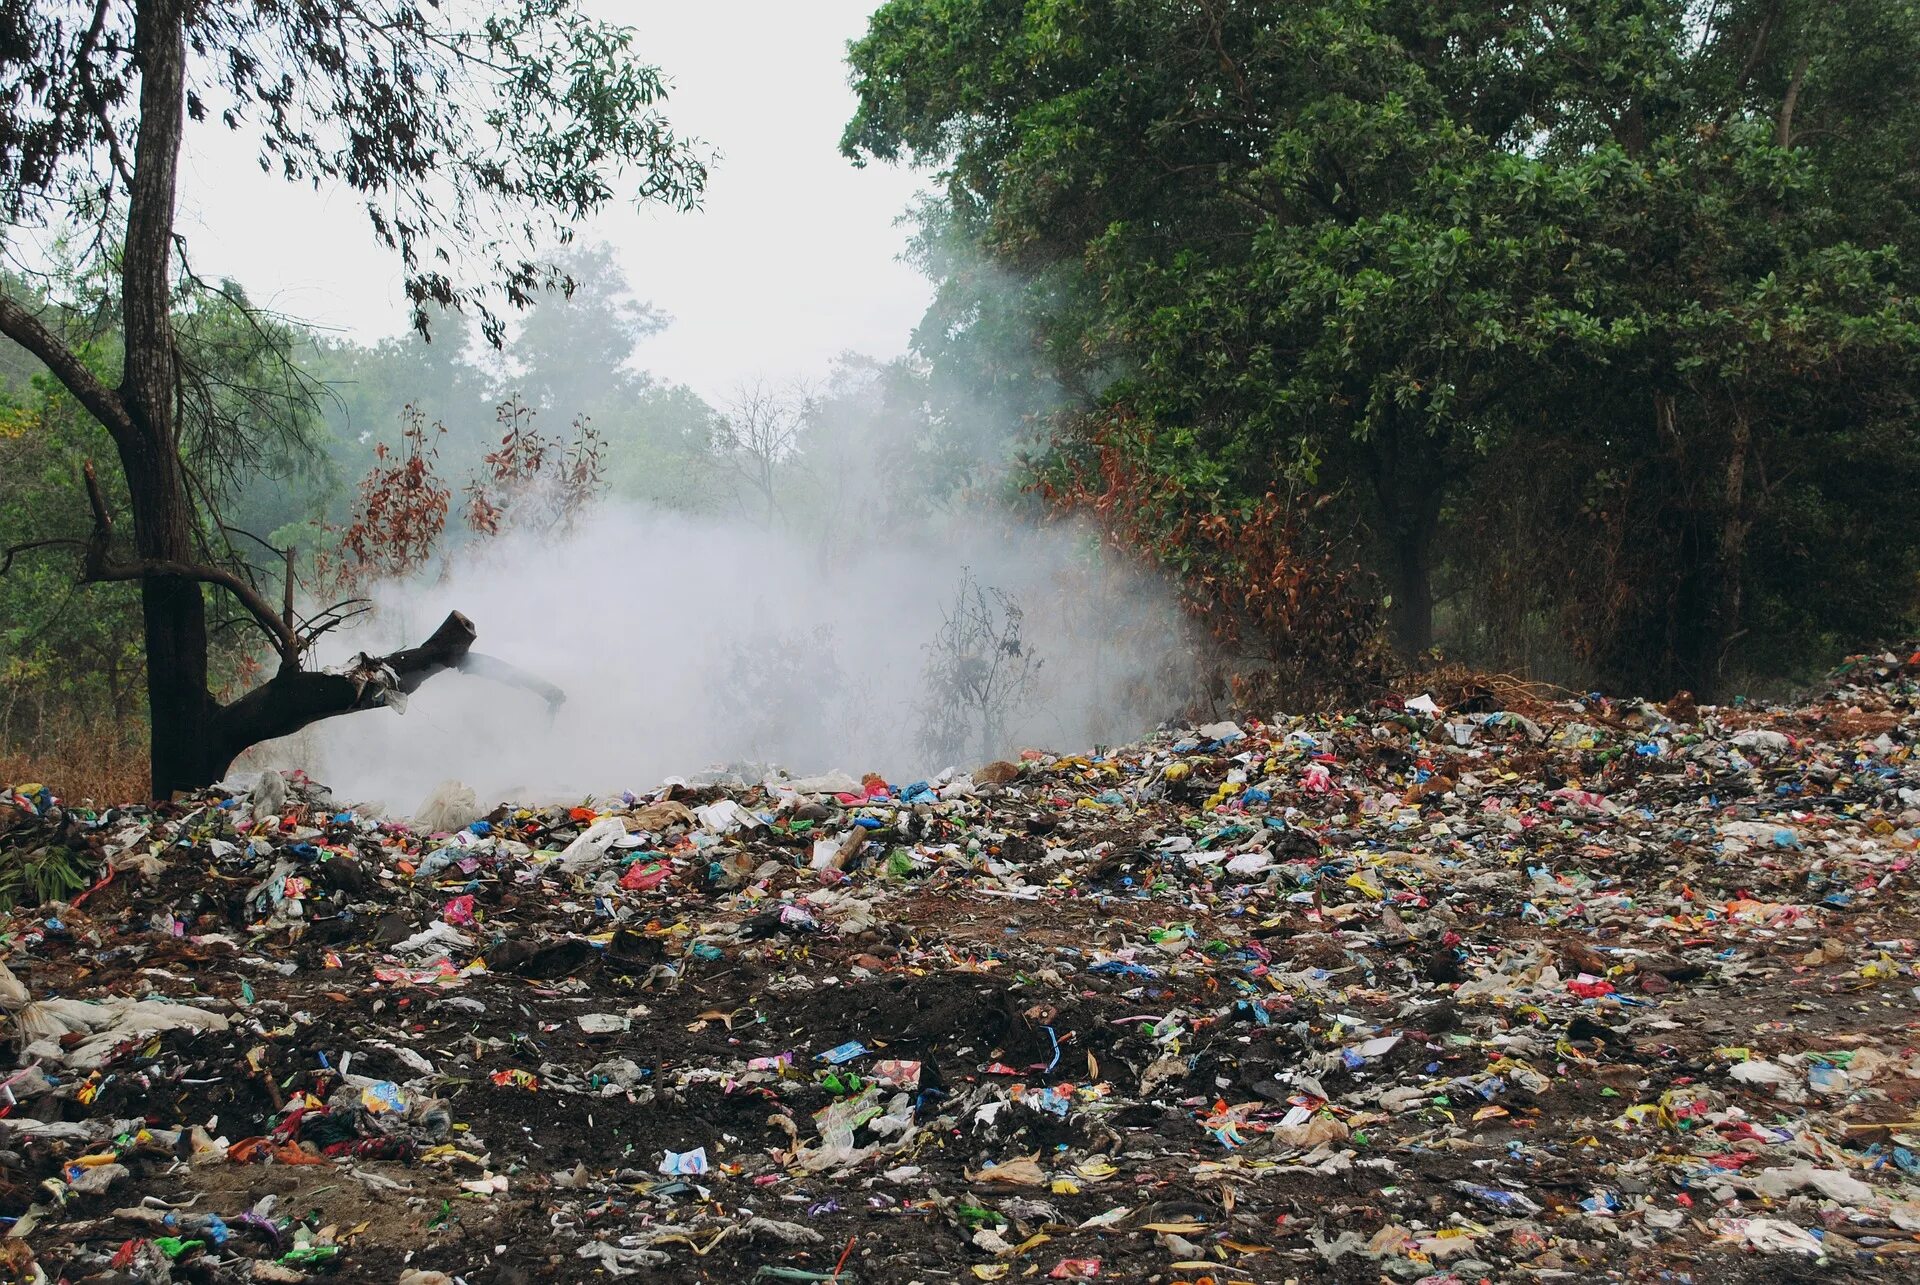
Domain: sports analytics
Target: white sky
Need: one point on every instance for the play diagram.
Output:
(793, 259)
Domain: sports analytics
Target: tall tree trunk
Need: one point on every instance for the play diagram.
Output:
(1408, 467)
(180, 708)
(1727, 575)
(1710, 593)
(1412, 617)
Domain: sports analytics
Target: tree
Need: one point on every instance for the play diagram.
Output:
(979, 671)
(753, 447)
(578, 355)
(574, 352)
(466, 139)
(1364, 246)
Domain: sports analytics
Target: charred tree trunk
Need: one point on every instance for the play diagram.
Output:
(294, 699)
(180, 709)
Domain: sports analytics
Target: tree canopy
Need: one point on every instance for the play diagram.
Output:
(1652, 260)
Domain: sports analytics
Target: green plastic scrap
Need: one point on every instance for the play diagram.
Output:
(174, 1247)
(974, 1216)
(310, 1254)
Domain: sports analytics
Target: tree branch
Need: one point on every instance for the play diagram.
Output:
(98, 568)
(13, 551)
(26, 329)
(1226, 60)
(1783, 133)
(293, 699)
(1756, 53)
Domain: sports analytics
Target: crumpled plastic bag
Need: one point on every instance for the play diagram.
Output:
(1761, 1071)
(451, 806)
(824, 783)
(1769, 1235)
(724, 817)
(1763, 740)
(1024, 1171)
(268, 797)
(1834, 1184)
(592, 845)
(107, 1024)
(617, 1261)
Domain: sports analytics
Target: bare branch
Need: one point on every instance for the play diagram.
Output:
(13, 551)
(99, 568)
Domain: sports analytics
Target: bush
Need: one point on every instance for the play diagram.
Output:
(1293, 621)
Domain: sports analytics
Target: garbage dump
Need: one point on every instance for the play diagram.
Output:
(1445, 989)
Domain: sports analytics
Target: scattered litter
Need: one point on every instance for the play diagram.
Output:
(1430, 990)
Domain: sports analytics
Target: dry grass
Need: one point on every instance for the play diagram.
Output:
(1449, 680)
(97, 767)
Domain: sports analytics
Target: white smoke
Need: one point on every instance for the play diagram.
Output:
(685, 642)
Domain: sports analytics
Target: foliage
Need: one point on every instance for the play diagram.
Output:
(52, 872)
(467, 130)
(473, 133)
(1291, 622)
(65, 655)
(402, 415)
(534, 483)
(1367, 247)
(402, 511)
(529, 483)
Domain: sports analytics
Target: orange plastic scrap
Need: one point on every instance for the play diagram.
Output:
(253, 1150)
(247, 1150)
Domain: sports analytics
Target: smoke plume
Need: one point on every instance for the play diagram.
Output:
(688, 642)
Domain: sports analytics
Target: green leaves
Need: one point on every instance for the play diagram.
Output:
(1380, 242)
(475, 134)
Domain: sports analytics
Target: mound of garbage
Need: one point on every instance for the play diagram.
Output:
(1443, 989)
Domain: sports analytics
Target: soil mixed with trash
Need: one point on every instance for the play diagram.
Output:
(1447, 989)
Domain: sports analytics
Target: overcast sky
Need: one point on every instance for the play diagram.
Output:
(794, 259)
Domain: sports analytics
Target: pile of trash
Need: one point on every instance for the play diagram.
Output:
(1439, 990)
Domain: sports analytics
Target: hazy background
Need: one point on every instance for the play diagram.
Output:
(792, 260)
(689, 626)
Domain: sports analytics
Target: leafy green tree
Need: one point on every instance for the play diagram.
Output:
(1368, 245)
(575, 352)
(66, 658)
(473, 132)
